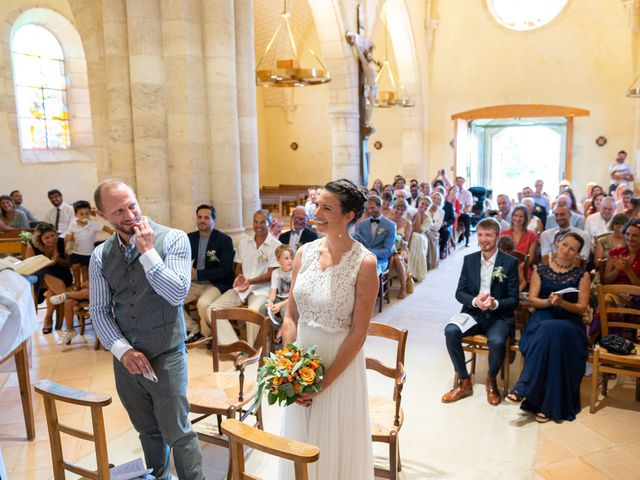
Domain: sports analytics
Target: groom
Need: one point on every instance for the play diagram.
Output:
(488, 292)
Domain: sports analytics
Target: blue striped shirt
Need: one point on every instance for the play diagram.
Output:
(170, 279)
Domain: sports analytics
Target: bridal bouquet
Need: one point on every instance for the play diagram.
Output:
(290, 372)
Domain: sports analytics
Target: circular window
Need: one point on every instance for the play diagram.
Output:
(525, 14)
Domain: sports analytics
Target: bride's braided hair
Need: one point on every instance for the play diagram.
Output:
(351, 197)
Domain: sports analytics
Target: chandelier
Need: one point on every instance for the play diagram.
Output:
(286, 72)
(391, 93)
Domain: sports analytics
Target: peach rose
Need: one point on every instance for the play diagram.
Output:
(307, 374)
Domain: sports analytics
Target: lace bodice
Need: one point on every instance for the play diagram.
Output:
(325, 298)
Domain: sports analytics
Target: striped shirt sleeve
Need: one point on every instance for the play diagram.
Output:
(100, 304)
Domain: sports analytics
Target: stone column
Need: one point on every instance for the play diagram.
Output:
(223, 153)
(148, 108)
(247, 115)
(413, 141)
(185, 109)
(119, 121)
(345, 144)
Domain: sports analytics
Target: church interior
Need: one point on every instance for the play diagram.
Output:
(185, 101)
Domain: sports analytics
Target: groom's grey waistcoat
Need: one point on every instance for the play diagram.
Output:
(148, 322)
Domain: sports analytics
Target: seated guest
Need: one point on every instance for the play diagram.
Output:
(310, 205)
(377, 233)
(441, 179)
(299, 233)
(400, 256)
(504, 211)
(387, 200)
(596, 224)
(606, 243)
(399, 183)
(561, 219)
(10, 218)
(17, 201)
(524, 239)
(554, 342)
(623, 196)
(596, 191)
(211, 270)
(71, 300)
(276, 305)
(61, 214)
(634, 210)
(275, 228)
(419, 249)
(508, 246)
(593, 205)
(414, 198)
(488, 292)
(255, 260)
(425, 189)
(387, 189)
(535, 224)
(409, 211)
(575, 220)
(54, 279)
(623, 264)
(377, 185)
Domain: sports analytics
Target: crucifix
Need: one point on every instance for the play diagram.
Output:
(367, 89)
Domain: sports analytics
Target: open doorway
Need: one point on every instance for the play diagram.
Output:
(506, 147)
(513, 153)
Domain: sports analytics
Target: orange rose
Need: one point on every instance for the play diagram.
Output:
(276, 381)
(315, 364)
(307, 374)
(297, 388)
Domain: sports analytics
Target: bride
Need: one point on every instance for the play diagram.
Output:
(334, 288)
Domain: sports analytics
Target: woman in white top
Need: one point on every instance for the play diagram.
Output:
(535, 224)
(333, 292)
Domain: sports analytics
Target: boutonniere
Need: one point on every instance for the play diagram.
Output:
(498, 273)
(381, 231)
(211, 255)
(298, 245)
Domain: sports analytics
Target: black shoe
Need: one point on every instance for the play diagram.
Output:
(209, 345)
(194, 337)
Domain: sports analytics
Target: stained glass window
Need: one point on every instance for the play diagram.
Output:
(40, 86)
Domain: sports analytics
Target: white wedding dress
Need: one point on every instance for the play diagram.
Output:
(338, 419)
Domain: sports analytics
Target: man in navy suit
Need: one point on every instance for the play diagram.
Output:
(299, 233)
(377, 233)
(212, 268)
(488, 292)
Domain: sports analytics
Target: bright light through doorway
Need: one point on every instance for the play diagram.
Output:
(521, 155)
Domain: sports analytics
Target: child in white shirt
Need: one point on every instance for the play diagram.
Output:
(79, 240)
(276, 304)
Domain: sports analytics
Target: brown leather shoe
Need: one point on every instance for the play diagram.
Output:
(493, 394)
(462, 390)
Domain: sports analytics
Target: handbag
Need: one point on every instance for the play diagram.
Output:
(618, 344)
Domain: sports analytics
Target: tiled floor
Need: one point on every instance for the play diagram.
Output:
(466, 440)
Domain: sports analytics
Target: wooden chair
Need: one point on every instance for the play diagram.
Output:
(479, 344)
(227, 394)
(605, 362)
(241, 434)
(52, 392)
(383, 288)
(386, 414)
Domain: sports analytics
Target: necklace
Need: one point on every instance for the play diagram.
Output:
(559, 265)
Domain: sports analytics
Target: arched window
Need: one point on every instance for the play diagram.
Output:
(40, 87)
(525, 14)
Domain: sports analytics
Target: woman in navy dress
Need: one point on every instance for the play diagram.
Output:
(554, 341)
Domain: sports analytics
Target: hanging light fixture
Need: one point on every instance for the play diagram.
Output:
(394, 95)
(286, 72)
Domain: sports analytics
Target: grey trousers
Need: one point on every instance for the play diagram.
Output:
(158, 412)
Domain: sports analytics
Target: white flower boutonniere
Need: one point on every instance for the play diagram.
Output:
(498, 273)
(211, 255)
(381, 231)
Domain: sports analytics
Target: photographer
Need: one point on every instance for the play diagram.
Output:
(442, 176)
